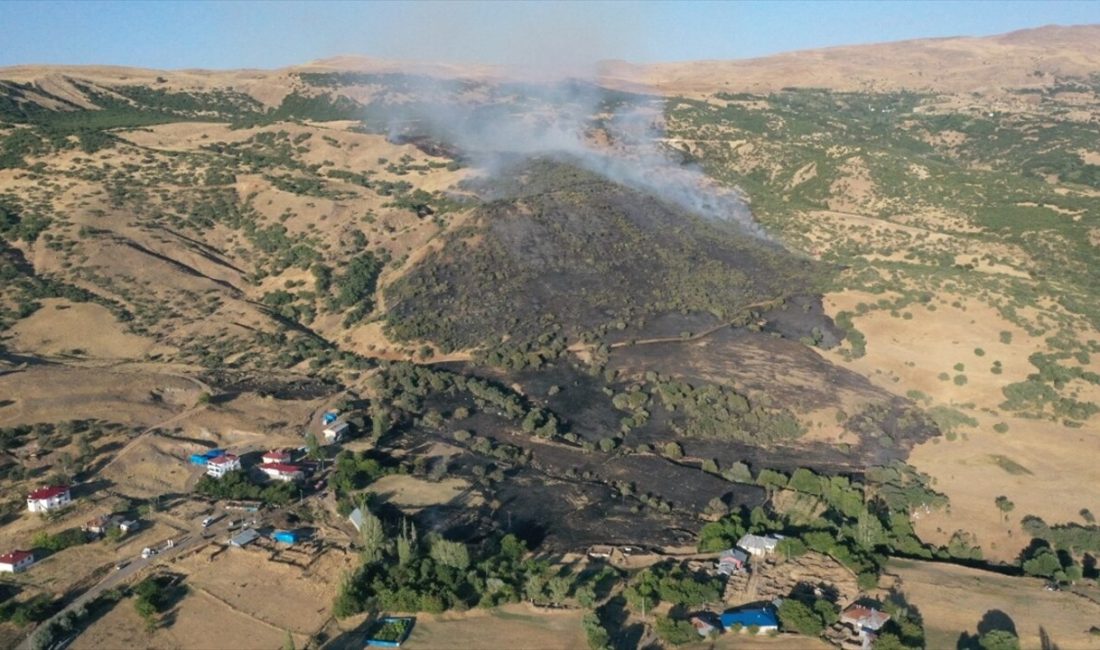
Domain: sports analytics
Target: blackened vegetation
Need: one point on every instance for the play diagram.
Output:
(572, 252)
(541, 481)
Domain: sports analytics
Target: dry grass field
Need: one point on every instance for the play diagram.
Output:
(513, 627)
(953, 600)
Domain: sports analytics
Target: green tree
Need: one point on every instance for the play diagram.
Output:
(999, 640)
(598, 638)
(796, 616)
(373, 538)
(558, 589)
(313, 447)
(675, 632)
(452, 554)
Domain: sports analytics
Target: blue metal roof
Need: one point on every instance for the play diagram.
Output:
(760, 617)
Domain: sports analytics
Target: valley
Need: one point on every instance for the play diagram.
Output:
(585, 335)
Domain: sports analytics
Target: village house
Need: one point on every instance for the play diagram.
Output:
(219, 466)
(278, 456)
(282, 472)
(865, 622)
(731, 561)
(16, 561)
(758, 545)
(336, 432)
(49, 498)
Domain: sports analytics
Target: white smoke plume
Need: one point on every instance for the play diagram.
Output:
(613, 134)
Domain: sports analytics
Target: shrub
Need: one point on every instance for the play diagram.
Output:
(674, 631)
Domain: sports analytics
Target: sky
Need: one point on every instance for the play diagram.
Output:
(246, 34)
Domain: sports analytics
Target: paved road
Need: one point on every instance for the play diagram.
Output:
(122, 576)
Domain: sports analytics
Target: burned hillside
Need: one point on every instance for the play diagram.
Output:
(574, 255)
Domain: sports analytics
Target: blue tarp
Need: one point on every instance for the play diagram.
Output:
(200, 459)
(760, 617)
(285, 536)
(330, 417)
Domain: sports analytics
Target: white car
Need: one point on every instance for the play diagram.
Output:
(206, 522)
(147, 553)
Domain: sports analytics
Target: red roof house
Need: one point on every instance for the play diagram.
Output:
(219, 466)
(282, 471)
(48, 498)
(16, 561)
(282, 456)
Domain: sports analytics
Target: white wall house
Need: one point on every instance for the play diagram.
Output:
(15, 561)
(282, 472)
(219, 466)
(336, 432)
(49, 498)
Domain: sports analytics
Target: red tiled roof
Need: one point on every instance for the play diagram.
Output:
(221, 460)
(281, 468)
(48, 492)
(281, 454)
(15, 557)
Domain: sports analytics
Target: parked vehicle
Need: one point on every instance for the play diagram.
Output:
(206, 522)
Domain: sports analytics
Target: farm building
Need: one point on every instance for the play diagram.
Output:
(244, 538)
(204, 457)
(278, 456)
(219, 466)
(282, 472)
(763, 619)
(129, 525)
(758, 545)
(16, 561)
(731, 561)
(336, 432)
(49, 498)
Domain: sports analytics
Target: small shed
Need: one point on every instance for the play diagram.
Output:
(336, 432)
(245, 538)
(356, 518)
(329, 417)
(731, 561)
(705, 623)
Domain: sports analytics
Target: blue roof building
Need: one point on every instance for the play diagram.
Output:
(763, 618)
